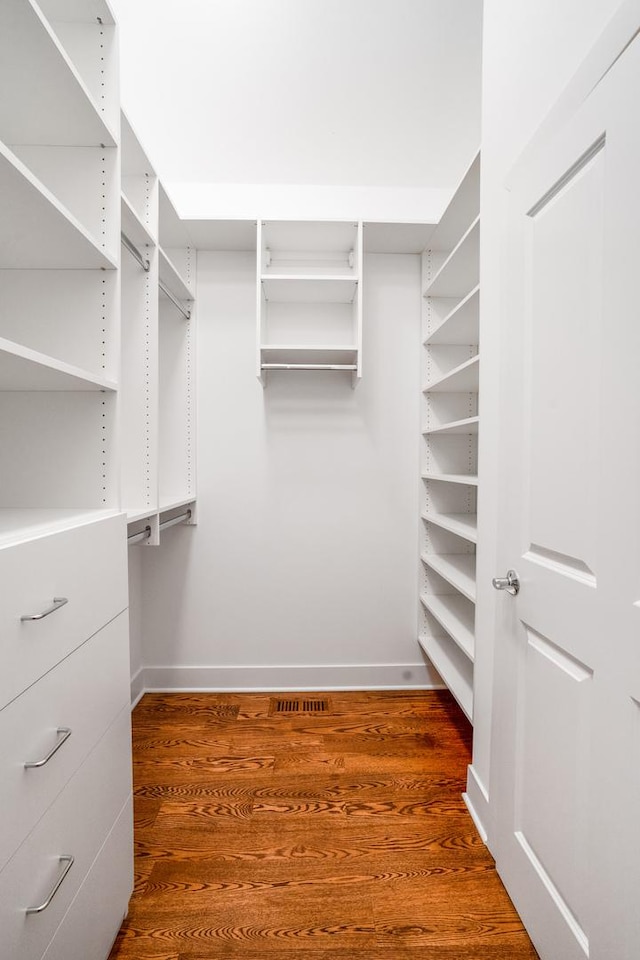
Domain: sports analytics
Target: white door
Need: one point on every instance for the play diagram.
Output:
(567, 685)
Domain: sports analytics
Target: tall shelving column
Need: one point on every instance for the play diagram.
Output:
(139, 382)
(157, 408)
(176, 365)
(450, 425)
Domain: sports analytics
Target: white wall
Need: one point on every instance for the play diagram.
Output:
(381, 93)
(302, 571)
(530, 53)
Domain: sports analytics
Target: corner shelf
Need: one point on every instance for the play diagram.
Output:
(450, 339)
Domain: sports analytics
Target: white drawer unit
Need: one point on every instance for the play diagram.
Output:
(86, 567)
(41, 880)
(65, 733)
(46, 733)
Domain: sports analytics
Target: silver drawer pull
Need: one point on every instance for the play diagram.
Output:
(68, 863)
(63, 734)
(57, 603)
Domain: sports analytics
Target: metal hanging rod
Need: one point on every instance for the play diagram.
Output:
(135, 253)
(308, 366)
(138, 537)
(146, 533)
(174, 300)
(174, 520)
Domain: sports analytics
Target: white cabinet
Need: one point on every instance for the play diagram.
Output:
(65, 742)
(309, 280)
(450, 425)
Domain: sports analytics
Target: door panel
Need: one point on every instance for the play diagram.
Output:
(564, 283)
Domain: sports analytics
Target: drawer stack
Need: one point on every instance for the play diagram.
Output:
(65, 744)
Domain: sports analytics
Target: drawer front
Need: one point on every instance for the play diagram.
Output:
(93, 919)
(83, 694)
(76, 825)
(88, 566)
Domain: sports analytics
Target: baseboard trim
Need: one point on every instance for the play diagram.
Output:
(137, 687)
(477, 801)
(244, 679)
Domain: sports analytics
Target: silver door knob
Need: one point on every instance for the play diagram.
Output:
(510, 583)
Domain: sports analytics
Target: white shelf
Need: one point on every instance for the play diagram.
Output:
(133, 227)
(311, 288)
(173, 504)
(459, 273)
(36, 231)
(314, 237)
(140, 513)
(458, 569)
(171, 277)
(463, 478)
(308, 354)
(380, 237)
(461, 211)
(462, 379)
(18, 524)
(172, 231)
(45, 101)
(454, 614)
(24, 369)
(454, 668)
(468, 426)
(464, 525)
(461, 325)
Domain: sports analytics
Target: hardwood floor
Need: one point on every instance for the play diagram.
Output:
(339, 835)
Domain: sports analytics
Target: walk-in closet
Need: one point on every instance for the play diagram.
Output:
(319, 525)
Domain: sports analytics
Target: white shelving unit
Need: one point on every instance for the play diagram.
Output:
(309, 300)
(60, 516)
(450, 426)
(59, 309)
(157, 408)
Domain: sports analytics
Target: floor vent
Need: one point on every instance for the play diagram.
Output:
(297, 705)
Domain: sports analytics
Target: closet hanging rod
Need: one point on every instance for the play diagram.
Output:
(309, 366)
(174, 300)
(174, 520)
(138, 537)
(135, 253)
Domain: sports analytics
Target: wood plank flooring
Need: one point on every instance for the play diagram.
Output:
(336, 836)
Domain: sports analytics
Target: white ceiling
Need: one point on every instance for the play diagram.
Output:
(370, 92)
